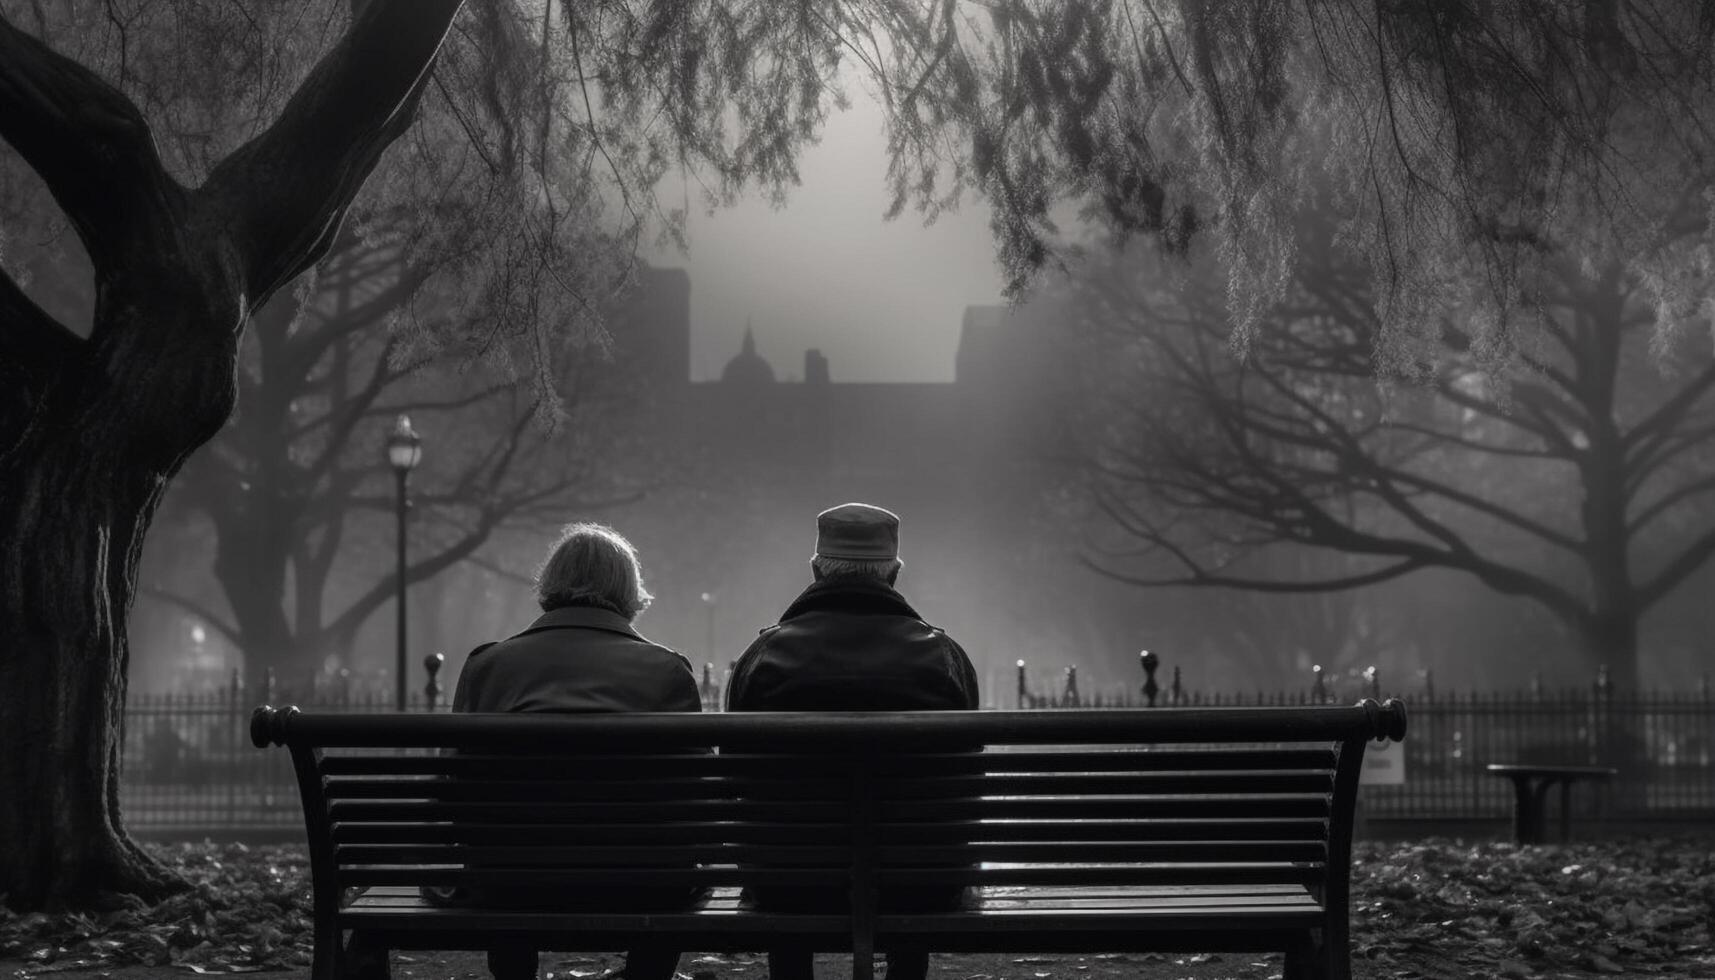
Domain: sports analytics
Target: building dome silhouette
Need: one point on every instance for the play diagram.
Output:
(747, 367)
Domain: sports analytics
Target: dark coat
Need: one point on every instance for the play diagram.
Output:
(577, 659)
(852, 645)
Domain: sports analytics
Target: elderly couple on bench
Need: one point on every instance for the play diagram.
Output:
(849, 642)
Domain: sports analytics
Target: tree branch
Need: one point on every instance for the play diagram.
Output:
(284, 193)
(1200, 578)
(1668, 501)
(500, 570)
(1676, 571)
(1473, 445)
(31, 340)
(347, 622)
(89, 144)
(33, 348)
(1641, 443)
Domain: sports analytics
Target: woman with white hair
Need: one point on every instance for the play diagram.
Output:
(581, 655)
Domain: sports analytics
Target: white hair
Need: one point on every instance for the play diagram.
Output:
(592, 565)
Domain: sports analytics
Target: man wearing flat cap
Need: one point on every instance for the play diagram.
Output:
(850, 642)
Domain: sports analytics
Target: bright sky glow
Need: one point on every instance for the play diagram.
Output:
(882, 300)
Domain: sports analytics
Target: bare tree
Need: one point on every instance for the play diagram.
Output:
(294, 493)
(1581, 483)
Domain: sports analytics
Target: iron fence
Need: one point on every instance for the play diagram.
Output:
(188, 762)
(189, 766)
(1662, 743)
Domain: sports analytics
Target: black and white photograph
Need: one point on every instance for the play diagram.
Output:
(857, 489)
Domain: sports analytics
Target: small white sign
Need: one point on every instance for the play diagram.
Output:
(1384, 764)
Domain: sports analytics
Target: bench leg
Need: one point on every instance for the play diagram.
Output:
(328, 961)
(365, 961)
(512, 963)
(787, 963)
(1527, 812)
(1326, 958)
(1336, 950)
(907, 964)
(863, 961)
(1297, 963)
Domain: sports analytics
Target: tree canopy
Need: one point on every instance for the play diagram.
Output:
(1460, 146)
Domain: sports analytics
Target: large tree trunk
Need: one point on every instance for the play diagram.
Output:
(1610, 631)
(76, 496)
(63, 841)
(92, 428)
(1612, 628)
(1611, 641)
(251, 565)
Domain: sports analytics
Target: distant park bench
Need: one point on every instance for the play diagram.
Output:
(1225, 829)
(1531, 784)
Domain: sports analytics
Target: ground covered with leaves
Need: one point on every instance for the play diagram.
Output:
(1430, 909)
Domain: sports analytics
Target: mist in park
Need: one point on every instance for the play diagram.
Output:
(1070, 488)
(1103, 432)
(1131, 489)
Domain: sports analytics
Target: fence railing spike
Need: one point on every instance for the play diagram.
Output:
(432, 663)
(1150, 663)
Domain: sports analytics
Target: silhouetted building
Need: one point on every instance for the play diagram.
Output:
(964, 463)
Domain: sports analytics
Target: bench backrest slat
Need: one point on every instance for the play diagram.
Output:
(574, 882)
(1040, 852)
(1106, 808)
(633, 855)
(699, 832)
(559, 787)
(572, 816)
(1217, 829)
(998, 759)
(1210, 873)
(531, 834)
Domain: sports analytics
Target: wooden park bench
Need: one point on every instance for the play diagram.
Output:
(1225, 829)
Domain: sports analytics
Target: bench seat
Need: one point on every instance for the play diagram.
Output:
(1256, 918)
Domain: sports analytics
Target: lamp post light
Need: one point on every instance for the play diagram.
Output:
(404, 452)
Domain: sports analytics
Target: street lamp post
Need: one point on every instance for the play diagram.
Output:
(404, 452)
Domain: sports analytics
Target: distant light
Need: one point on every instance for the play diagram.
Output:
(709, 598)
(198, 634)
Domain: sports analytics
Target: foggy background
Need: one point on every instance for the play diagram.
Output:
(882, 299)
(938, 402)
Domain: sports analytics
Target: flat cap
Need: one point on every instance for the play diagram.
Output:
(857, 532)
